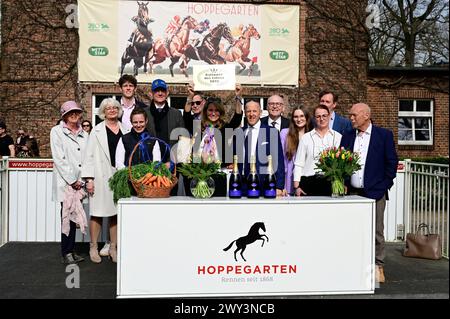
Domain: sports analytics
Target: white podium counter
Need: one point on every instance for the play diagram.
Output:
(174, 247)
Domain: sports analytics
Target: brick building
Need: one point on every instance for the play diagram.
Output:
(39, 71)
(414, 103)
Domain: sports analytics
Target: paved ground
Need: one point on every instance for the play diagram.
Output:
(33, 270)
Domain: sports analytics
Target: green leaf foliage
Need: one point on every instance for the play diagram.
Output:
(199, 170)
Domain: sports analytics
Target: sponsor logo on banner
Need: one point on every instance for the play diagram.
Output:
(279, 55)
(98, 27)
(279, 32)
(241, 243)
(98, 51)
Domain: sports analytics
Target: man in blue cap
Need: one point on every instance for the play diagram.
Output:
(162, 118)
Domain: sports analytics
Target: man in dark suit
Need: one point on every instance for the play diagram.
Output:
(275, 105)
(163, 119)
(128, 87)
(267, 142)
(378, 160)
(165, 122)
(338, 123)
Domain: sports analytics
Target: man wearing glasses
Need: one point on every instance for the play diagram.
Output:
(193, 109)
(306, 180)
(275, 105)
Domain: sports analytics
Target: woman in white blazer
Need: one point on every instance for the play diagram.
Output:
(98, 167)
(67, 142)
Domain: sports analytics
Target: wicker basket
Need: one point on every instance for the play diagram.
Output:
(149, 191)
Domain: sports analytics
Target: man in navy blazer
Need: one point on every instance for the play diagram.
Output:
(337, 122)
(275, 106)
(267, 143)
(378, 159)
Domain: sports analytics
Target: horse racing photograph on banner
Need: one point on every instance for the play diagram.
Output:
(166, 39)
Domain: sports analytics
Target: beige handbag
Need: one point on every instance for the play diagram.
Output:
(426, 246)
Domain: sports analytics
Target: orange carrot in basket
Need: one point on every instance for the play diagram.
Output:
(147, 178)
(144, 180)
(164, 181)
(158, 181)
(153, 178)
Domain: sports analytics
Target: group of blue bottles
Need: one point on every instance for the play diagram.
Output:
(252, 181)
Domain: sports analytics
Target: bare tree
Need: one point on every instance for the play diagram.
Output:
(433, 45)
(410, 32)
(384, 46)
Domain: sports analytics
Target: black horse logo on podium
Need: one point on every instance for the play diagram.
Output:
(252, 236)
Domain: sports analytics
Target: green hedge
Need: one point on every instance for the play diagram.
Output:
(436, 160)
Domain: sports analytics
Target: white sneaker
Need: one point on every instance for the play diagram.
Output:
(105, 250)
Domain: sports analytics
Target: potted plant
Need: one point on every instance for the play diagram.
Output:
(200, 173)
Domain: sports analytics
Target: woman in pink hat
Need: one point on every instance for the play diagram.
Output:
(68, 141)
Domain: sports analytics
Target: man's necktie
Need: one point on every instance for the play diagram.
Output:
(274, 124)
(248, 144)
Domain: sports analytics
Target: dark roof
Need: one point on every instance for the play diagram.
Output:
(434, 70)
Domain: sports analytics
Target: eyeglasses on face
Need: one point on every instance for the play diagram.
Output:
(86, 125)
(109, 108)
(275, 104)
(196, 102)
(323, 116)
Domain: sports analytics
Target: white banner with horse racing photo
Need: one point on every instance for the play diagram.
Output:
(166, 39)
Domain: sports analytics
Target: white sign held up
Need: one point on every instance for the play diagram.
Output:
(214, 77)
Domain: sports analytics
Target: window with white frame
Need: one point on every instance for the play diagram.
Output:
(415, 122)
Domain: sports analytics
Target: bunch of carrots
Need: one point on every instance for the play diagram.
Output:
(155, 180)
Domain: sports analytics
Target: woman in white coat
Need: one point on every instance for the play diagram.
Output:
(68, 141)
(97, 169)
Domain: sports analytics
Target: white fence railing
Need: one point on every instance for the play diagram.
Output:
(420, 194)
(393, 213)
(427, 199)
(33, 216)
(29, 213)
(3, 201)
